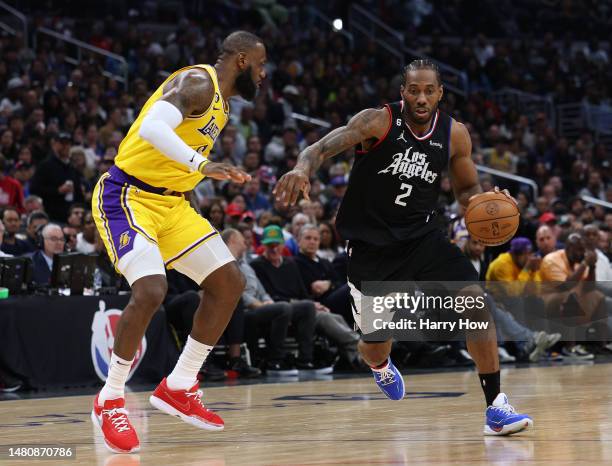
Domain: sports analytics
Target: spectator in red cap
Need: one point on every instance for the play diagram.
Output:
(233, 213)
(240, 201)
(247, 222)
(247, 217)
(547, 218)
(550, 219)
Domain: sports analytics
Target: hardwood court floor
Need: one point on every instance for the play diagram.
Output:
(346, 422)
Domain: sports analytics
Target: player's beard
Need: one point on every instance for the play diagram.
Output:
(413, 117)
(246, 87)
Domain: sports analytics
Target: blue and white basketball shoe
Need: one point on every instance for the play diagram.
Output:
(501, 419)
(390, 381)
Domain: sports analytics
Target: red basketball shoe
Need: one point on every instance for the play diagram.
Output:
(119, 434)
(187, 405)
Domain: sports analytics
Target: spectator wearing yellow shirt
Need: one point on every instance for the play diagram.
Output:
(500, 158)
(513, 269)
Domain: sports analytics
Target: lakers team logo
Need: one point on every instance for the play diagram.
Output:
(103, 328)
(210, 129)
(124, 239)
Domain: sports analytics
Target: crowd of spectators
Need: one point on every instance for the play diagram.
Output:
(516, 18)
(61, 126)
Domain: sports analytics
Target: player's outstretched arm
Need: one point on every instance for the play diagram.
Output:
(190, 93)
(367, 124)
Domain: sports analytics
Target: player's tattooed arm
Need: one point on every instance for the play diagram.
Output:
(191, 92)
(463, 174)
(366, 125)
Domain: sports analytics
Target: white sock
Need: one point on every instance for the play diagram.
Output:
(118, 372)
(380, 369)
(184, 375)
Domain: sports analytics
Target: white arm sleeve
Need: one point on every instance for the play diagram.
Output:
(157, 128)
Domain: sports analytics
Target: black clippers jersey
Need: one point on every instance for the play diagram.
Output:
(393, 188)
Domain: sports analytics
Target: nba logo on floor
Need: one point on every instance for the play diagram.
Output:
(103, 330)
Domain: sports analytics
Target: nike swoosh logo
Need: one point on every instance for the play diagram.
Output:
(216, 108)
(192, 157)
(182, 406)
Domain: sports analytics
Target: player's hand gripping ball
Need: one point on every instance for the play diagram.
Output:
(492, 218)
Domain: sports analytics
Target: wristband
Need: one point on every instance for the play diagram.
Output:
(202, 164)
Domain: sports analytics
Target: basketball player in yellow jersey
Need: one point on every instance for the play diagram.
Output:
(147, 225)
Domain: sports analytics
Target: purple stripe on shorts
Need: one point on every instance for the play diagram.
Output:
(112, 253)
(122, 234)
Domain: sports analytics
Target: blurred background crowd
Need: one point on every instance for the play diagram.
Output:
(61, 125)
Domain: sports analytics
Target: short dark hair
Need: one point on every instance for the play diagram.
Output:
(239, 41)
(306, 227)
(36, 215)
(76, 205)
(9, 209)
(423, 64)
(15, 116)
(242, 227)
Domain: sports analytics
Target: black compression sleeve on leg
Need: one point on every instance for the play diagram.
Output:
(490, 384)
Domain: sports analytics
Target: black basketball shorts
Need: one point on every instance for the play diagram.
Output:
(430, 258)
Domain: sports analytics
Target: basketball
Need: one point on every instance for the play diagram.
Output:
(492, 218)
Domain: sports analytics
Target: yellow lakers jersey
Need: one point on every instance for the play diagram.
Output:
(140, 159)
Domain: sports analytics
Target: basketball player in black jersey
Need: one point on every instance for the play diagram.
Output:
(388, 217)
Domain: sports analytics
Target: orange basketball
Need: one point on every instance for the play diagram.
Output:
(492, 218)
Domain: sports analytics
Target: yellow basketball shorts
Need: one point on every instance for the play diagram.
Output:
(145, 231)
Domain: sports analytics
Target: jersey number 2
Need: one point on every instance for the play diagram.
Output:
(398, 199)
